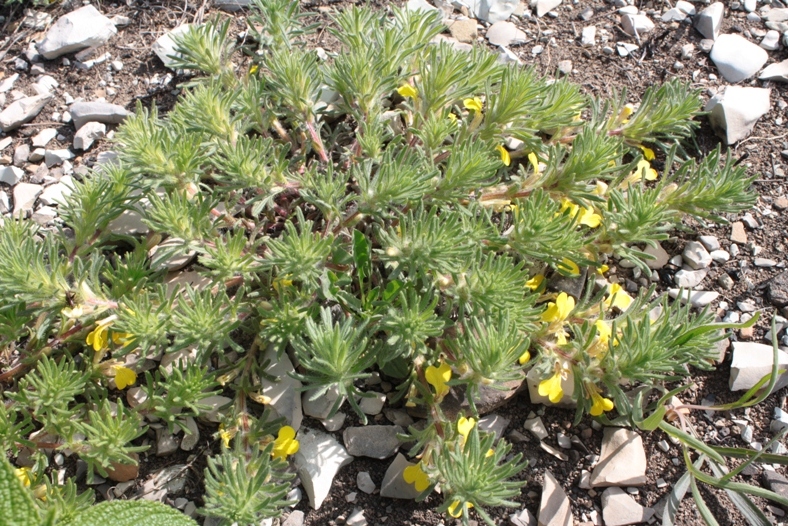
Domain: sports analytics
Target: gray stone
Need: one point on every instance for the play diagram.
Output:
(696, 298)
(88, 133)
(775, 482)
(689, 279)
(554, 507)
(319, 406)
(752, 361)
(21, 154)
(522, 518)
(42, 138)
(216, 404)
(737, 58)
(356, 518)
(764, 262)
(536, 427)
(776, 288)
(661, 257)
(84, 112)
(334, 423)
(771, 41)
(45, 215)
(365, 483)
(636, 24)
(776, 15)
(709, 21)
(545, 6)
(80, 29)
(696, 255)
(494, 424)
(750, 5)
(372, 441)
(25, 195)
(398, 417)
(394, 485)
(372, 405)
(777, 72)
(164, 47)
(7, 83)
(296, 518)
(166, 443)
(710, 242)
(317, 462)
(284, 394)
(588, 36)
(505, 34)
(231, 6)
(619, 509)
(189, 440)
(10, 175)
(57, 157)
(420, 5)
(674, 15)
(735, 110)
(22, 111)
(622, 460)
(45, 84)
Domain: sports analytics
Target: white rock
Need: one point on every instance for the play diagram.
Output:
(8, 83)
(5, 143)
(494, 424)
(689, 279)
(771, 41)
(777, 72)
(674, 15)
(696, 298)
(776, 15)
(545, 6)
(80, 29)
(166, 443)
(57, 157)
(719, 256)
(696, 255)
(750, 5)
(709, 21)
(285, 394)
(628, 10)
(321, 405)
(88, 133)
(45, 215)
(372, 441)
(365, 483)
(522, 518)
(334, 423)
(734, 111)
(588, 37)
(394, 485)
(56, 193)
(45, 84)
(317, 462)
(25, 195)
(372, 405)
(622, 460)
(536, 427)
(554, 508)
(216, 404)
(751, 362)
(619, 509)
(296, 518)
(84, 112)
(661, 257)
(493, 11)
(626, 48)
(356, 518)
(164, 46)
(710, 242)
(636, 24)
(10, 175)
(505, 34)
(189, 440)
(686, 7)
(42, 138)
(23, 110)
(737, 58)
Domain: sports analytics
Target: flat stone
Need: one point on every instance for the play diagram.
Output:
(777, 72)
(356, 518)
(536, 428)
(334, 423)
(554, 507)
(372, 441)
(494, 424)
(689, 279)
(216, 404)
(709, 21)
(231, 6)
(11, 175)
(21, 154)
(190, 440)
(661, 257)
(420, 5)
(492, 11)
(463, 30)
(398, 417)
(285, 393)
(771, 40)
(42, 138)
(710, 242)
(124, 472)
(365, 483)
(522, 518)
(636, 24)
(738, 234)
(164, 47)
(22, 111)
(764, 262)
(394, 485)
(674, 15)
(320, 406)
(7, 84)
(622, 460)
(88, 133)
(776, 15)
(57, 157)
(317, 462)
(696, 298)
(619, 509)
(545, 6)
(696, 255)
(86, 27)
(588, 36)
(752, 361)
(777, 289)
(45, 215)
(166, 443)
(735, 110)
(372, 405)
(737, 58)
(505, 34)
(775, 482)
(84, 112)
(296, 518)
(25, 195)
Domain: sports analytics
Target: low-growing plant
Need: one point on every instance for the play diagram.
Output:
(401, 208)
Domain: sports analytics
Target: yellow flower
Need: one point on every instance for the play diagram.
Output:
(416, 476)
(281, 283)
(407, 91)
(534, 162)
(648, 153)
(560, 309)
(98, 337)
(254, 69)
(618, 298)
(475, 104)
(626, 112)
(490, 452)
(602, 269)
(524, 358)
(226, 435)
(452, 117)
(23, 474)
(122, 338)
(455, 509)
(505, 158)
(551, 387)
(285, 443)
(464, 427)
(600, 188)
(586, 216)
(535, 282)
(569, 267)
(124, 376)
(600, 404)
(603, 331)
(643, 170)
(438, 376)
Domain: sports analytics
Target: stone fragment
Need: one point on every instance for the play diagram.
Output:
(522, 518)
(505, 34)
(776, 15)
(737, 58)
(735, 110)
(372, 441)
(190, 438)
(674, 15)
(622, 460)
(661, 257)
(545, 6)
(777, 289)
(319, 406)
(588, 36)
(709, 21)
(554, 508)
(84, 112)
(777, 72)
(284, 395)
(7, 83)
(11, 175)
(57, 157)
(738, 234)
(166, 443)
(45, 84)
(42, 138)
(296, 518)
(771, 40)
(22, 111)
(317, 462)
(25, 195)
(619, 509)
(21, 154)
(45, 215)
(80, 29)
(689, 279)
(394, 485)
(636, 24)
(124, 472)
(164, 47)
(420, 5)
(365, 483)
(334, 423)
(775, 482)
(696, 255)
(216, 404)
(356, 518)
(696, 298)
(231, 6)
(752, 361)
(88, 133)
(463, 30)
(536, 427)
(494, 424)
(372, 405)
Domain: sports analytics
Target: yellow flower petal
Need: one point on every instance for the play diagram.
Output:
(285, 443)
(534, 162)
(416, 476)
(505, 157)
(569, 267)
(603, 331)
(590, 218)
(551, 387)
(407, 91)
(524, 358)
(23, 474)
(648, 153)
(122, 338)
(124, 377)
(475, 104)
(464, 426)
(535, 282)
(98, 337)
(455, 509)
(618, 298)
(600, 404)
(560, 309)
(438, 376)
(602, 269)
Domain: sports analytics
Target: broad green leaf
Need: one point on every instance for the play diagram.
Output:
(748, 509)
(704, 510)
(16, 502)
(675, 498)
(132, 513)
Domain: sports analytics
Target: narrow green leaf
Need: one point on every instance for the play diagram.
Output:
(697, 331)
(675, 498)
(361, 255)
(652, 422)
(691, 441)
(748, 509)
(392, 288)
(704, 510)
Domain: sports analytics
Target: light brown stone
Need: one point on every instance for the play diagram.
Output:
(622, 460)
(738, 234)
(463, 30)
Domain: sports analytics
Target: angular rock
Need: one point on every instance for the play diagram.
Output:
(494, 424)
(166, 443)
(189, 440)
(777, 289)
(25, 197)
(22, 111)
(522, 518)
(735, 110)
(776, 15)
(42, 138)
(80, 29)
(463, 30)
(296, 518)
(661, 256)
(696, 255)
(84, 112)
(545, 6)
(710, 242)
(320, 406)
(709, 21)
(57, 157)
(372, 405)
(216, 404)
(88, 133)
(21, 154)
(124, 472)
(164, 47)
(777, 72)
(11, 175)
(696, 298)
(554, 508)
(365, 483)
(619, 509)
(393, 485)
(775, 482)
(588, 36)
(771, 40)
(536, 427)
(674, 15)
(493, 11)
(751, 362)
(737, 58)
(505, 34)
(317, 462)
(231, 6)
(738, 234)
(284, 394)
(689, 279)
(420, 5)
(622, 460)
(372, 441)
(636, 24)
(8, 83)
